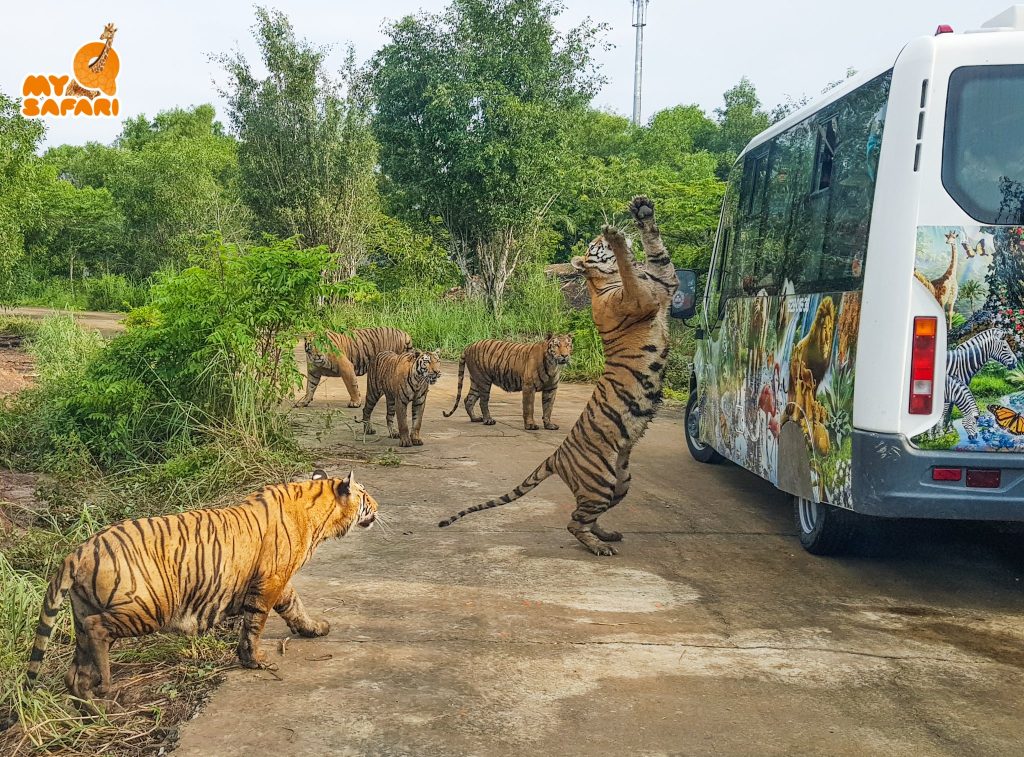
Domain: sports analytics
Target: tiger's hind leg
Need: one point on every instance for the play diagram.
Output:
(81, 676)
(99, 640)
(289, 606)
(472, 397)
(485, 406)
(582, 525)
(622, 480)
(254, 617)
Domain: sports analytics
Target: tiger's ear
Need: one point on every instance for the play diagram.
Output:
(344, 486)
(569, 337)
(438, 354)
(548, 336)
(319, 474)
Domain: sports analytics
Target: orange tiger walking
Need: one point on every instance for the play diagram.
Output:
(187, 572)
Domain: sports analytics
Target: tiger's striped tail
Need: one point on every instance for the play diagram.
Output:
(458, 394)
(58, 590)
(542, 471)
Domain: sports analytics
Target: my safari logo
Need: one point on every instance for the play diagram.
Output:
(89, 93)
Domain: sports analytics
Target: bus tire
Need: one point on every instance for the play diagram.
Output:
(826, 529)
(701, 452)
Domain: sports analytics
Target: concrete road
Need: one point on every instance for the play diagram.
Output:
(108, 324)
(711, 632)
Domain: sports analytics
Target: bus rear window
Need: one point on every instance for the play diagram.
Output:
(983, 146)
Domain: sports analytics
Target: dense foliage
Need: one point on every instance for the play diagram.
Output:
(465, 152)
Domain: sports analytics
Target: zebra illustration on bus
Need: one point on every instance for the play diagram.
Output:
(862, 321)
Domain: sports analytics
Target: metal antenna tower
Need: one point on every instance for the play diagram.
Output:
(639, 22)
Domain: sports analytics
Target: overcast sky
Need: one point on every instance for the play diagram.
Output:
(694, 50)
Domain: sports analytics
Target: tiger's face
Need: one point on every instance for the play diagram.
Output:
(350, 495)
(428, 365)
(599, 258)
(559, 348)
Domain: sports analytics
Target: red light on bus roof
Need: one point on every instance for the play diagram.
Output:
(947, 474)
(943, 29)
(922, 365)
(982, 478)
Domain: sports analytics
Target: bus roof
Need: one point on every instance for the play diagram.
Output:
(1012, 19)
(861, 77)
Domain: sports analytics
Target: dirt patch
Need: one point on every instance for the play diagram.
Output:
(17, 370)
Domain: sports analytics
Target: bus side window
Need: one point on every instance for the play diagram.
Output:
(825, 154)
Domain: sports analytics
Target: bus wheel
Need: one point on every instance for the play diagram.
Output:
(702, 453)
(824, 529)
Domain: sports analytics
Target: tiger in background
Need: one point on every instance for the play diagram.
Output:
(630, 307)
(189, 571)
(514, 367)
(349, 357)
(403, 380)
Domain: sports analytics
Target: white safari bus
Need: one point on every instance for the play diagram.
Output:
(859, 334)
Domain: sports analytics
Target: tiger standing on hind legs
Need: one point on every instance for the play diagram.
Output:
(630, 307)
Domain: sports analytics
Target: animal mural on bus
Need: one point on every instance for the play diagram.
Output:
(781, 359)
(976, 274)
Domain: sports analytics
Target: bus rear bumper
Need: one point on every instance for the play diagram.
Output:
(892, 479)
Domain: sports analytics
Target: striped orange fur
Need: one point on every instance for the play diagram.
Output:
(403, 381)
(187, 572)
(350, 356)
(630, 307)
(514, 367)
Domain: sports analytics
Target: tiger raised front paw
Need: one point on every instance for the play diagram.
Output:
(642, 210)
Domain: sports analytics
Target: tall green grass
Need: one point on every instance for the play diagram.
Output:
(450, 325)
(111, 292)
(529, 313)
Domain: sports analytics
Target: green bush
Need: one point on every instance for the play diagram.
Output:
(213, 350)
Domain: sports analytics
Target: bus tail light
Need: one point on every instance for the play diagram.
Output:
(983, 478)
(943, 29)
(922, 365)
(947, 474)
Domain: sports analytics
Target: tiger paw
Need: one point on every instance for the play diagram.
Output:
(417, 442)
(476, 420)
(603, 535)
(369, 430)
(612, 234)
(394, 435)
(595, 545)
(489, 421)
(302, 403)
(405, 443)
(354, 403)
(258, 661)
(316, 628)
(550, 426)
(642, 210)
(531, 426)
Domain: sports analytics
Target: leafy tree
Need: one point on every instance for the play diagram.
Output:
(740, 118)
(172, 178)
(75, 231)
(307, 154)
(19, 138)
(472, 112)
(675, 132)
